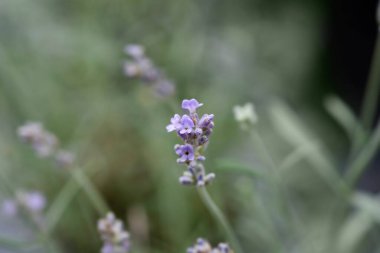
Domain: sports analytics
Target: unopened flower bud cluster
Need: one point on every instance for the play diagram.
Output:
(141, 67)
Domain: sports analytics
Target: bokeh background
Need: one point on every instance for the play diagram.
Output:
(61, 64)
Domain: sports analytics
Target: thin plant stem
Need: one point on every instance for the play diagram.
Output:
(373, 88)
(282, 191)
(60, 203)
(371, 93)
(219, 217)
(357, 167)
(65, 196)
(92, 193)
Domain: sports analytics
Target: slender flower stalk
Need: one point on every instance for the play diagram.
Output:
(93, 194)
(219, 217)
(195, 132)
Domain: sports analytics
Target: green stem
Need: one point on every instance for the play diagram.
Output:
(219, 217)
(281, 190)
(371, 94)
(60, 203)
(92, 193)
(65, 196)
(358, 166)
(373, 88)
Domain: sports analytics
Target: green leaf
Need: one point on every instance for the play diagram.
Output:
(368, 204)
(354, 231)
(60, 203)
(290, 127)
(344, 116)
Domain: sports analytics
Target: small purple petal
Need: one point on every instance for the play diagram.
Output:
(175, 123)
(191, 105)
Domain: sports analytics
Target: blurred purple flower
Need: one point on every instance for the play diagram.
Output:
(33, 201)
(134, 50)
(64, 159)
(203, 246)
(115, 238)
(142, 68)
(43, 142)
(9, 207)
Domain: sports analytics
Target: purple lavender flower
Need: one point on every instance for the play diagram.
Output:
(206, 122)
(175, 123)
(195, 133)
(115, 238)
(191, 105)
(185, 153)
(187, 125)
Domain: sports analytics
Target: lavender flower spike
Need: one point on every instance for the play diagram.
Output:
(45, 144)
(141, 67)
(191, 105)
(203, 246)
(195, 134)
(115, 238)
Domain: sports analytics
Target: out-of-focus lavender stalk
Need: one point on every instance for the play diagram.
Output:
(140, 67)
(46, 145)
(203, 246)
(115, 237)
